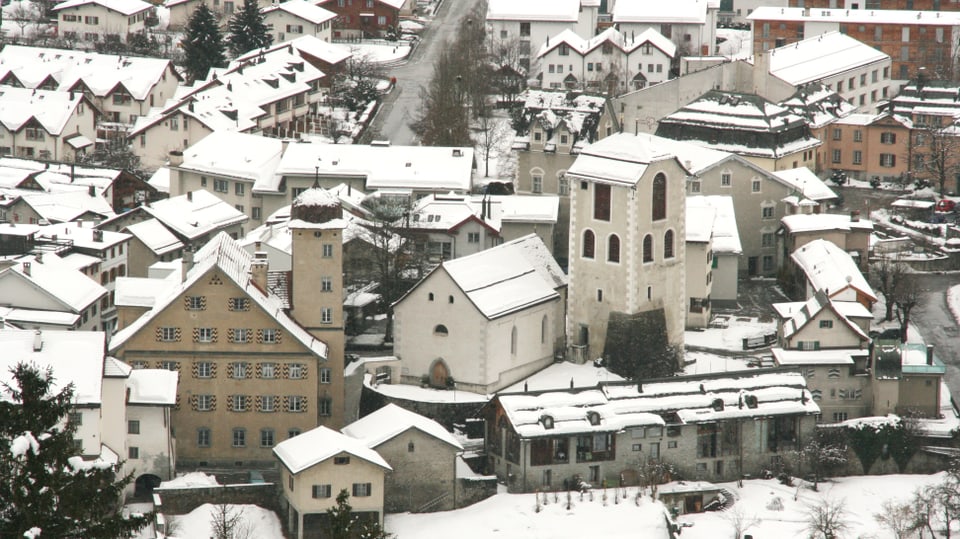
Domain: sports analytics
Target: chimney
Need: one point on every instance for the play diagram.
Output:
(98, 236)
(761, 72)
(483, 208)
(92, 191)
(929, 354)
(37, 341)
(259, 269)
(176, 158)
(855, 216)
(189, 196)
(186, 263)
(39, 258)
(571, 383)
(26, 269)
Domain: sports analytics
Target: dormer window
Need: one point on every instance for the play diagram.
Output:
(547, 422)
(593, 418)
(750, 401)
(717, 405)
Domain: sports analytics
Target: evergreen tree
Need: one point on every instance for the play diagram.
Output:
(45, 487)
(342, 524)
(202, 45)
(247, 30)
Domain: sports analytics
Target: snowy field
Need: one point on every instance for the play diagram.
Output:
(258, 522)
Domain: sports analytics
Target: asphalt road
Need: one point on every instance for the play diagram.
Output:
(402, 106)
(933, 319)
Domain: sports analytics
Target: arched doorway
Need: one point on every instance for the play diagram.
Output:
(570, 82)
(144, 485)
(439, 373)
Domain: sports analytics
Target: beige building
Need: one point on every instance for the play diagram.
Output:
(51, 125)
(316, 467)
(95, 20)
(713, 254)
(297, 18)
(483, 321)
(627, 228)
(848, 232)
(250, 374)
(421, 452)
(823, 323)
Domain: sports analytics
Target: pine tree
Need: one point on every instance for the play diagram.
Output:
(45, 487)
(342, 524)
(247, 30)
(202, 45)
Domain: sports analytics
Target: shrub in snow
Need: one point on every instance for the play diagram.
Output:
(776, 504)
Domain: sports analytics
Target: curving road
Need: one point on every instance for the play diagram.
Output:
(937, 325)
(402, 105)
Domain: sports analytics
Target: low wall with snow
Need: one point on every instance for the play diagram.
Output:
(471, 490)
(180, 501)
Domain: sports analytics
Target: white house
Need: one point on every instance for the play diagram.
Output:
(50, 125)
(713, 253)
(483, 321)
(119, 415)
(691, 24)
(54, 291)
(296, 18)
(94, 20)
(611, 61)
(527, 25)
(822, 266)
(848, 66)
(822, 322)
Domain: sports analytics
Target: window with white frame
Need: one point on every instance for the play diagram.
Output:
(473, 237)
(269, 336)
(268, 370)
(767, 212)
(726, 179)
(239, 437)
(221, 186)
(755, 186)
(295, 403)
(325, 375)
(296, 371)
(204, 369)
(326, 315)
(538, 183)
(204, 403)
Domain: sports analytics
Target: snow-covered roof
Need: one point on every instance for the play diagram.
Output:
(713, 218)
(152, 387)
(822, 56)
(912, 203)
(233, 154)
(57, 177)
(676, 12)
(101, 74)
(564, 375)
(191, 215)
(142, 291)
(830, 268)
(59, 280)
(83, 237)
(124, 7)
(507, 278)
(795, 315)
(806, 183)
(63, 206)
(856, 16)
(448, 212)
(391, 421)
(50, 109)
(309, 45)
(302, 9)
(160, 180)
(155, 236)
(611, 35)
(383, 166)
(687, 400)
(841, 356)
(815, 222)
(534, 10)
(224, 253)
(29, 318)
(620, 159)
(315, 446)
(76, 357)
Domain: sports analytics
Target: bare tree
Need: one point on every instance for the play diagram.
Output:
(898, 518)
(886, 272)
(827, 519)
(739, 520)
(227, 522)
(23, 15)
(936, 154)
(491, 137)
(907, 297)
(510, 76)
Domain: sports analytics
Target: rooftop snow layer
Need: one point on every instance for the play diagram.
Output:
(315, 446)
(391, 421)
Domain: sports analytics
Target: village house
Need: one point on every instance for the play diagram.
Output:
(47, 290)
(421, 452)
(45, 124)
(610, 62)
(913, 39)
(260, 175)
(822, 108)
(275, 93)
(848, 233)
(811, 195)
(181, 10)
(526, 26)
(713, 241)
(867, 146)
(821, 265)
(822, 322)
(150, 242)
(856, 71)
(100, 20)
(838, 379)
(715, 427)
(315, 467)
(933, 108)
(627, 229)
(330, 58)
(296, 18)
(121, 88)
(364, 19)
(451, 226)
(483, 321)
(558, 126)
(120, 418)
(36, 207)
(691, 24)
(768, 135)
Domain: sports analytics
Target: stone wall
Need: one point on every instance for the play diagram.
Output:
(180, 501)
(471, 490)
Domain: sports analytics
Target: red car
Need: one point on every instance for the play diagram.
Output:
(945, 206)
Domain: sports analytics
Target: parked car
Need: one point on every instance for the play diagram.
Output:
(945, 206)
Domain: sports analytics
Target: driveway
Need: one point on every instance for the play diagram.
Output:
(933, 319)
(402, 106)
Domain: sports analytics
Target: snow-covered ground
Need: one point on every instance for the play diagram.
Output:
(503, 161)
(737, 44)
(258, 522)
(862, 496)
(381, 51)
(731, 335)
(953, 301)
(191, 480)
